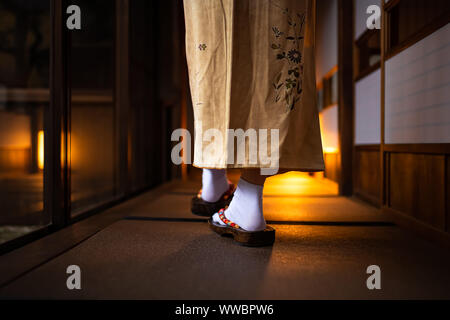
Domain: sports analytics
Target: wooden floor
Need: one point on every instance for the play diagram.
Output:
(151, 247)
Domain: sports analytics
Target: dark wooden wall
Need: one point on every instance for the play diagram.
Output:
(416, 185)
(367, 176)
(411, 182)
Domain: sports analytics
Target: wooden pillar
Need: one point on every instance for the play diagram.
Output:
(56, 174)
(383, 159)
(122, 99)
(346, 95)
(184, 84)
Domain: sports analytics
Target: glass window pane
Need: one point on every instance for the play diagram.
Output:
(24, 95)
(92, 137)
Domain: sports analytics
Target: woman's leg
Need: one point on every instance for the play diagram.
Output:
(246, 208)
(214, 184)
(253, 176)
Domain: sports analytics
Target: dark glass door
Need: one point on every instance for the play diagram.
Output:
(25, 36)
(92, 137)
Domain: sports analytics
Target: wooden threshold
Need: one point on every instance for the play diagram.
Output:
(421, 229)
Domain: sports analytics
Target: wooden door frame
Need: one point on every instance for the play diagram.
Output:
(345, 95)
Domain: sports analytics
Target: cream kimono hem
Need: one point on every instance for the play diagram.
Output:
(251, 66)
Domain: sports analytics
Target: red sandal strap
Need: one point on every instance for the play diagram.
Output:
(224, 219)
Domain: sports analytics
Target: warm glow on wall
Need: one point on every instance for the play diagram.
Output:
(41, 149)
(330, 150)
(329, 129)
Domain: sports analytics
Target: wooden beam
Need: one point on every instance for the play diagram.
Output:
(421, 148)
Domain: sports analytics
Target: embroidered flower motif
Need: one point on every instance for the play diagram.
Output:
(277, 32)
(202, 47)
(294, 56)
(288, 46)
(290, 83)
